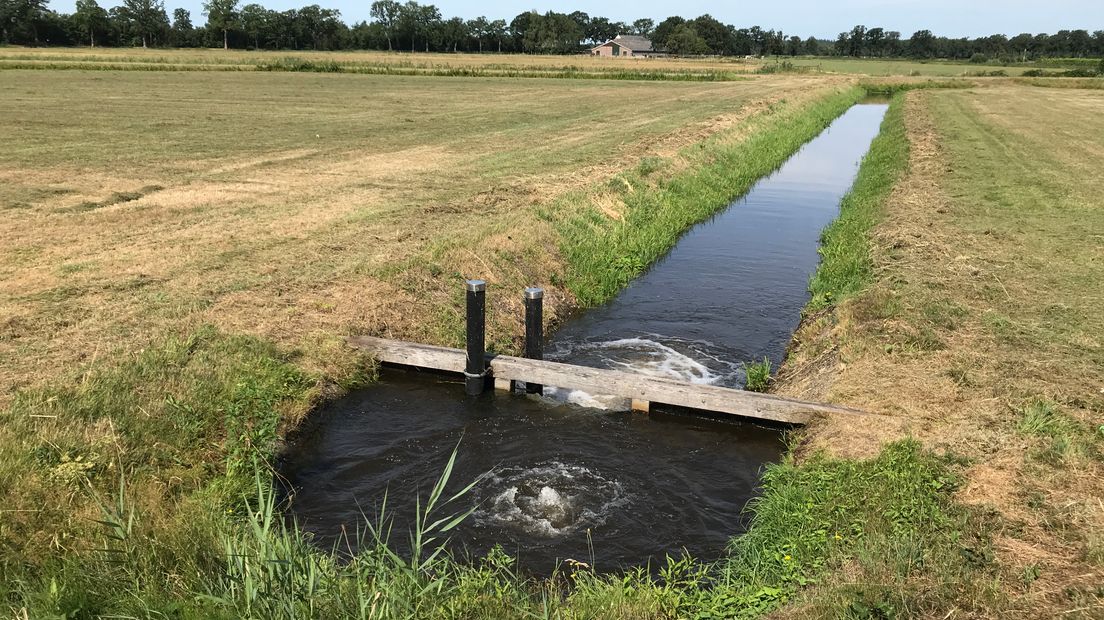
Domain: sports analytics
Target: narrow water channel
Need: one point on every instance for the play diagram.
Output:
(574, 475)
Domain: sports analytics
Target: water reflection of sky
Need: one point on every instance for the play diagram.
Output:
(739, 280)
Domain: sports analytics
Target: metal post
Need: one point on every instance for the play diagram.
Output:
(475, 371)
(534, 331)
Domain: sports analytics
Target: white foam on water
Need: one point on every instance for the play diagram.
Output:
(642, 356)
(549, 500)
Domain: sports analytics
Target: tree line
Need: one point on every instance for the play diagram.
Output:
(415, 27)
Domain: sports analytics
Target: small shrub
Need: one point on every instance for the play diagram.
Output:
(979, 59)
(758, 376)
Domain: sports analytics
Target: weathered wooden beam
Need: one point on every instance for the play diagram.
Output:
(601, 381)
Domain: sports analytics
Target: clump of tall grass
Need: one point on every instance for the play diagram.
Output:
(757, 376)
(301, 65)
(273, 571)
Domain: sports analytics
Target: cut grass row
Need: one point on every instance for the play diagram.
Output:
(508, 65)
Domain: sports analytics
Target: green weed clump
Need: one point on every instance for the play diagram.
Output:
(1067, 441)
(757, 376)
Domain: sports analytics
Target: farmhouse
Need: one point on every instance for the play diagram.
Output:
(625, 45)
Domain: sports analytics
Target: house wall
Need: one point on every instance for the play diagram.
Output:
(607, 50)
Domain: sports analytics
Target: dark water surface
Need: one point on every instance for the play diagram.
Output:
(574, 476)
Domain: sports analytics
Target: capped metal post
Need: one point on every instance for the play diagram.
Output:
(475, 369)
(534, 331)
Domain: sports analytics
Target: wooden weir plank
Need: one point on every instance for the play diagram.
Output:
(605, 382)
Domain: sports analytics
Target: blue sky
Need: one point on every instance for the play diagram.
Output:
(956, 18)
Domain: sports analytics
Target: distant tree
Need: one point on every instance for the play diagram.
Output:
(759, 41)
(600, 30)
(182, 31)
(922, 44)
(794, 46)
(1022, 45)
(28, 16)
(891, 46)
(519, 28)
(856, 41)
(685, 41)
(841, 46)
(812, 47)
(455, 31)
(552, 33)
(222, 15)
(643, 27)
(875, 41)
(319, 25)
(254, 18)
(742, 44)
(386, 13)
(144, 18)
(582, 19)
(420, 21)
(1080, 43)
(479, 28)
(90, 18)
(666, 28)
(497, 31)
(715, 34)
(776, 42)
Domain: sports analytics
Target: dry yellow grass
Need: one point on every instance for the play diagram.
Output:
(981, 332)
(302, 207)
(243, 58)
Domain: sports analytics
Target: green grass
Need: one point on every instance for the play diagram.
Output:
(227, 553)
(906, 67)
(846, 266)
(970, 308)
(758, 376)
(605, 253)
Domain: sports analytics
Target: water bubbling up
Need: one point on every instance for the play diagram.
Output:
(550, 499)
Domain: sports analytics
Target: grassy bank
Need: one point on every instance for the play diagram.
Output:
(846, 265)
(954, 297)
(641, 213)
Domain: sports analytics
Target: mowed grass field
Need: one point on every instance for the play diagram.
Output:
(300, 206)
(368, 60)
(184, 252)
(980, 331)
(899, 67)
(490, 64)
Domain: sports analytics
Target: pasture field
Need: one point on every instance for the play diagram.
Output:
(489, 65)
(977, 324)
(183, 253)
(901, 67)
(297, 206)
(533, 65)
